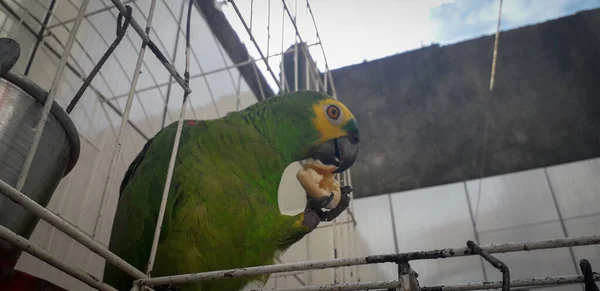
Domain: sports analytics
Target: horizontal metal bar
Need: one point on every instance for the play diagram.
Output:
(191, 77)
(331, 223)
(87, 15)
(146, 40)
(40, 253)
(76, 71)
(391, 258)
(68, 229)
(344, 286)
(288, 274)
(541, 281)
(206, 73)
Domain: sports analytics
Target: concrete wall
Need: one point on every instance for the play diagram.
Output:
(543, 203)
(422, 113)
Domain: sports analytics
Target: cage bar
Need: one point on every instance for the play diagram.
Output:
(262, 56)
(61, 23)
(376, 259)
(146, 40)
(343, 287)
(167, 187)
(33, 249)
(68, 229)
(117, 151)
(541, 281)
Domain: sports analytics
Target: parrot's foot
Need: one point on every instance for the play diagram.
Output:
(311, 218)
(166, 287)
(317, 204)
(314, 214)
(342, 205)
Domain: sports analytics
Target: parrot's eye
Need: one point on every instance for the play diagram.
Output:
(333, 113)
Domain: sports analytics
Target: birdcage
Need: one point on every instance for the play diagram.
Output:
(123, 70)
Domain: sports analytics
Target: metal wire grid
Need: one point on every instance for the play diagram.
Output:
(91, 242)
(46, 31)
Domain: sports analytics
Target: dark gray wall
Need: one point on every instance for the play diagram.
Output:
(422, 113)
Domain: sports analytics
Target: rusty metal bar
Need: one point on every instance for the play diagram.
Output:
(390, 258)
(542, 281)
(494, 262)
(33, 249)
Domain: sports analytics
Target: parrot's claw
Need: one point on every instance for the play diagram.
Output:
(342, 205)
(314, 214)
(317, 204)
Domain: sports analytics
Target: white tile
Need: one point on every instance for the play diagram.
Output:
(585, 226)
(512, 200)
(374, 236)
(576, 187)
(320, 247)
(434, 218)
(296, 253)
(345, 237)
(537, 263)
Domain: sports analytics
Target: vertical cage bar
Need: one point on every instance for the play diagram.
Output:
(126, 112)
(168, 97)
(485, 120)
(296, 51)
(496, 41)
(296, 64)
(40, 36)
(147, 42)
(167, 187)
(262, 56)
(284, 84)
(299, 38)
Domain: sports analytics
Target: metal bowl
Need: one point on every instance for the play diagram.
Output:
(21, 105)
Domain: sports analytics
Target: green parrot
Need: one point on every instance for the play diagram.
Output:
(222, 211)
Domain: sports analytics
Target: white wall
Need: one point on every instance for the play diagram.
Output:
(514, 207)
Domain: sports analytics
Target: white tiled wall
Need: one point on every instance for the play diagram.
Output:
(511, 200)
(434, 218)
(512, 208)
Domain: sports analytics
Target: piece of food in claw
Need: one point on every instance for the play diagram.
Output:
(318, 181)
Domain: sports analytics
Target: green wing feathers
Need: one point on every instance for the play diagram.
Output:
(222, 210)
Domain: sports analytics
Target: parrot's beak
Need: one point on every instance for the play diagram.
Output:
(340, 152)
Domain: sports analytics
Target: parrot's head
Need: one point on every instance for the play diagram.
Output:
(336, 147)
(309, 127)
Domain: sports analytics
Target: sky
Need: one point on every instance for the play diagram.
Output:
(353, 31)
